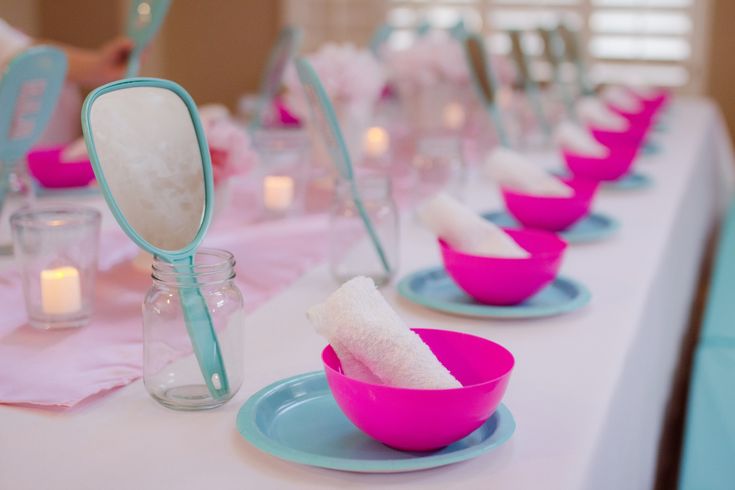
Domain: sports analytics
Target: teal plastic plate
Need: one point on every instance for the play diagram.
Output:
(434, 289)
(630, 182)
(594, 227)
(650, 148)
(297, 419)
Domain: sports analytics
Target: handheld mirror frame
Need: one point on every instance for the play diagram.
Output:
(322, 113)
(30, 87)
(573, 51)
(554, 54)
(526, 79)
(196, 313)
(484, 81)
(286, 47)
(145, 18)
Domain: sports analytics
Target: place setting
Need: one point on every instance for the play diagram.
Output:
(395, 228)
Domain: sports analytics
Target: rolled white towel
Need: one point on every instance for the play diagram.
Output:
(367, 333)
(74, 152)
(593, 112)
(579, 141)
(511, 169)
(465, 231)
(622, 99)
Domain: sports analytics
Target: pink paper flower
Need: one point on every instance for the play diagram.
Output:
(230, 147)
(434, 58)
(352, 78)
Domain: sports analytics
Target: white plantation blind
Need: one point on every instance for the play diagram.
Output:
(661, 42)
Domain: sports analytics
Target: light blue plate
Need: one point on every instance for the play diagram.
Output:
(434, 289)
(632, 181)
(593, 228)
(650, 148)
(297, 419)
(629, 182)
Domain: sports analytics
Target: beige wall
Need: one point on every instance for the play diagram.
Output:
(216, 49)
(721, 83)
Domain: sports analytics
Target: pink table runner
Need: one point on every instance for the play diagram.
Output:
(62, 368)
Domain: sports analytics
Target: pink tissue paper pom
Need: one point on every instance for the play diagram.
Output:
(351, 77)
(230, 147)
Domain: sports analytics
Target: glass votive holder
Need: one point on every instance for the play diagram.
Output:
(352, 248)
(283, 170)
(440, 166)
(56, 248)
(172, 377)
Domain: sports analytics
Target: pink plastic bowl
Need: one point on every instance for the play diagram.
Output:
(552, 213)
(507, 281)
(424, 420)
(630, 139)
(611, 167)
(45, 166)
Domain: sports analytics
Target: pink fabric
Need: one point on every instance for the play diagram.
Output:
(62, 368)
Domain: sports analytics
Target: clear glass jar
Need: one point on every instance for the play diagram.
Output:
(171, 375)
(440, 165)
(352, 250)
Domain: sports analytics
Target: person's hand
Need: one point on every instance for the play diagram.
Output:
(111, 61)
(95, 67)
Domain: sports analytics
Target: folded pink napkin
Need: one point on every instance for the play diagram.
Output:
(63, 367)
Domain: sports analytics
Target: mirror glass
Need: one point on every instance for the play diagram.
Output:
(149, 155)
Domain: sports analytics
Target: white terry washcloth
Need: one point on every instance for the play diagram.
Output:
(373, 343)
(622, 99)
(465, 231)
(579, 141)
(74, 152)
(594, 112)
(513, 170)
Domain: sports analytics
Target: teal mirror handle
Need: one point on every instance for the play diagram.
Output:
(133, 64)
(201, 332)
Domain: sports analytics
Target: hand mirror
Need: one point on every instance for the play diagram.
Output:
(554, 54)
(526, 80)
(144, 20)
(325, 120)
(29, 89)
(285, 48)
(151, 159)
(484, 82)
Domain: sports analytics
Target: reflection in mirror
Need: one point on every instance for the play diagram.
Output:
(147, 149)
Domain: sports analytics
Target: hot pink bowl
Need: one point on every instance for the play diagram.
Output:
(423, 420)
(611, 167)
(631, 139)
(506, 281)
(551, 213)
(45, 166)
(641, 119)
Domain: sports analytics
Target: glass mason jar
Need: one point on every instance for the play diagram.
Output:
(171, 376)
(352, 248)
(440, 166)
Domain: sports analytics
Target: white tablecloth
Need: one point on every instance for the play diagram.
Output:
(588, 392)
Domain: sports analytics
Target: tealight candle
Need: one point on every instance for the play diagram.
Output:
(376, 142)
(454, 116)
(278, 192)
(61, 292)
